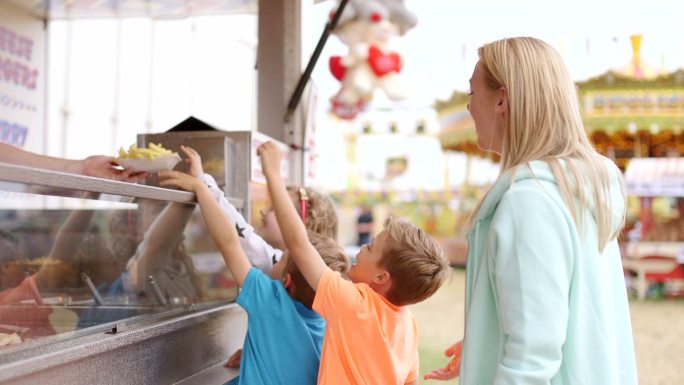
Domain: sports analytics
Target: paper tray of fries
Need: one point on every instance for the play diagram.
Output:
(151, 159)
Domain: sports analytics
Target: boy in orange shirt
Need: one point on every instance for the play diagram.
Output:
(370, 337)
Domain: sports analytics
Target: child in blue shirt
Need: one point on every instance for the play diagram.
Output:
(284, 336)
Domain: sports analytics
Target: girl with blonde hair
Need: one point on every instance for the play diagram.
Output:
(545, 292)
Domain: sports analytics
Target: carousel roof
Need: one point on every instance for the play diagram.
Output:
(637, 67)
(614, 80)
(73, 9)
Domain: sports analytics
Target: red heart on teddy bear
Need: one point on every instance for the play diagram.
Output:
(383, 63)
(337, 68)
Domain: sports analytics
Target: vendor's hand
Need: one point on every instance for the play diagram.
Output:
(179, 179)
(453, 368)
(234, 360)
(193, 160)
(271, 156)
(103, 167)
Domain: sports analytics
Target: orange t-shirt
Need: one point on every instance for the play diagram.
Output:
(368, 341)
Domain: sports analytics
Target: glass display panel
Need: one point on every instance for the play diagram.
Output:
(83, 262)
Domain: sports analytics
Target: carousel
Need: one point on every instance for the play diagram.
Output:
(634, 115)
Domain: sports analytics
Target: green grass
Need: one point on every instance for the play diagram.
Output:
(440, 323)
(431, 358)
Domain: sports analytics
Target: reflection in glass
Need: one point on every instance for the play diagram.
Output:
(101, 262)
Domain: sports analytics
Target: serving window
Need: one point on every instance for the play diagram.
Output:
(74, 262)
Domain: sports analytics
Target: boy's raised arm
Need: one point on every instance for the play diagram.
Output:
(291, 226)
(262, 255)
(221, 228)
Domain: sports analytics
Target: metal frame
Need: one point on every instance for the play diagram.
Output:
(148, 352)
(240, 162)
(40, 177)
(165, 347)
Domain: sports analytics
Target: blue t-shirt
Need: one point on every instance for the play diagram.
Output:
(284, 337)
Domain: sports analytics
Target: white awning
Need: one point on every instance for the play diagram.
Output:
(655, 177)
(88, 9)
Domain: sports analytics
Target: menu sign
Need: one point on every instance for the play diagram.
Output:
(22, 79)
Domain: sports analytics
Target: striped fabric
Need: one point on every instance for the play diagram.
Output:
(655, 176)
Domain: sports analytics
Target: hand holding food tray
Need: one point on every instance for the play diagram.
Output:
(151, 159)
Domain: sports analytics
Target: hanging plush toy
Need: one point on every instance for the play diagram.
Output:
(366, 27)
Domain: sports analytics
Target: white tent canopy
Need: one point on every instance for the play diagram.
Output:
(655, 177)
(69, 9)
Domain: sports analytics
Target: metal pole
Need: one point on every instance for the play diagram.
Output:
(297, 94)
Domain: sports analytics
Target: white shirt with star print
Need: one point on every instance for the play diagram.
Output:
(262, 255)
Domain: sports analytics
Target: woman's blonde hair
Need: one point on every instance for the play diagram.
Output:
(544, 123)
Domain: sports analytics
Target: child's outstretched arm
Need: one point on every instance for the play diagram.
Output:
(66, 244)
(291, 226)
(160, 239)
(262, 255)
(222, 229)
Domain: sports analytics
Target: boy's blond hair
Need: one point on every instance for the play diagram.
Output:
(415, 261)
(321, 216)
(333, 255)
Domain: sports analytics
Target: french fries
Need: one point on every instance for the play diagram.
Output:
(151, 152)
(9, 339)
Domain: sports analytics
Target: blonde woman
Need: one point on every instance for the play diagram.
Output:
(545, 292)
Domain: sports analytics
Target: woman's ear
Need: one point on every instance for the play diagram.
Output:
(502, 105)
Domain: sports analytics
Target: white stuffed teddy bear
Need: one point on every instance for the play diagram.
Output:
(366, 28)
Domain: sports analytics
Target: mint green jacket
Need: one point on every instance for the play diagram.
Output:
(543, 305)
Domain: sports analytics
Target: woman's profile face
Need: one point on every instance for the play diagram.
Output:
(483, 107)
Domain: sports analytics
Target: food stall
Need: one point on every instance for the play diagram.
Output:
(654, 246)
(69, 303)
(73, 308)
